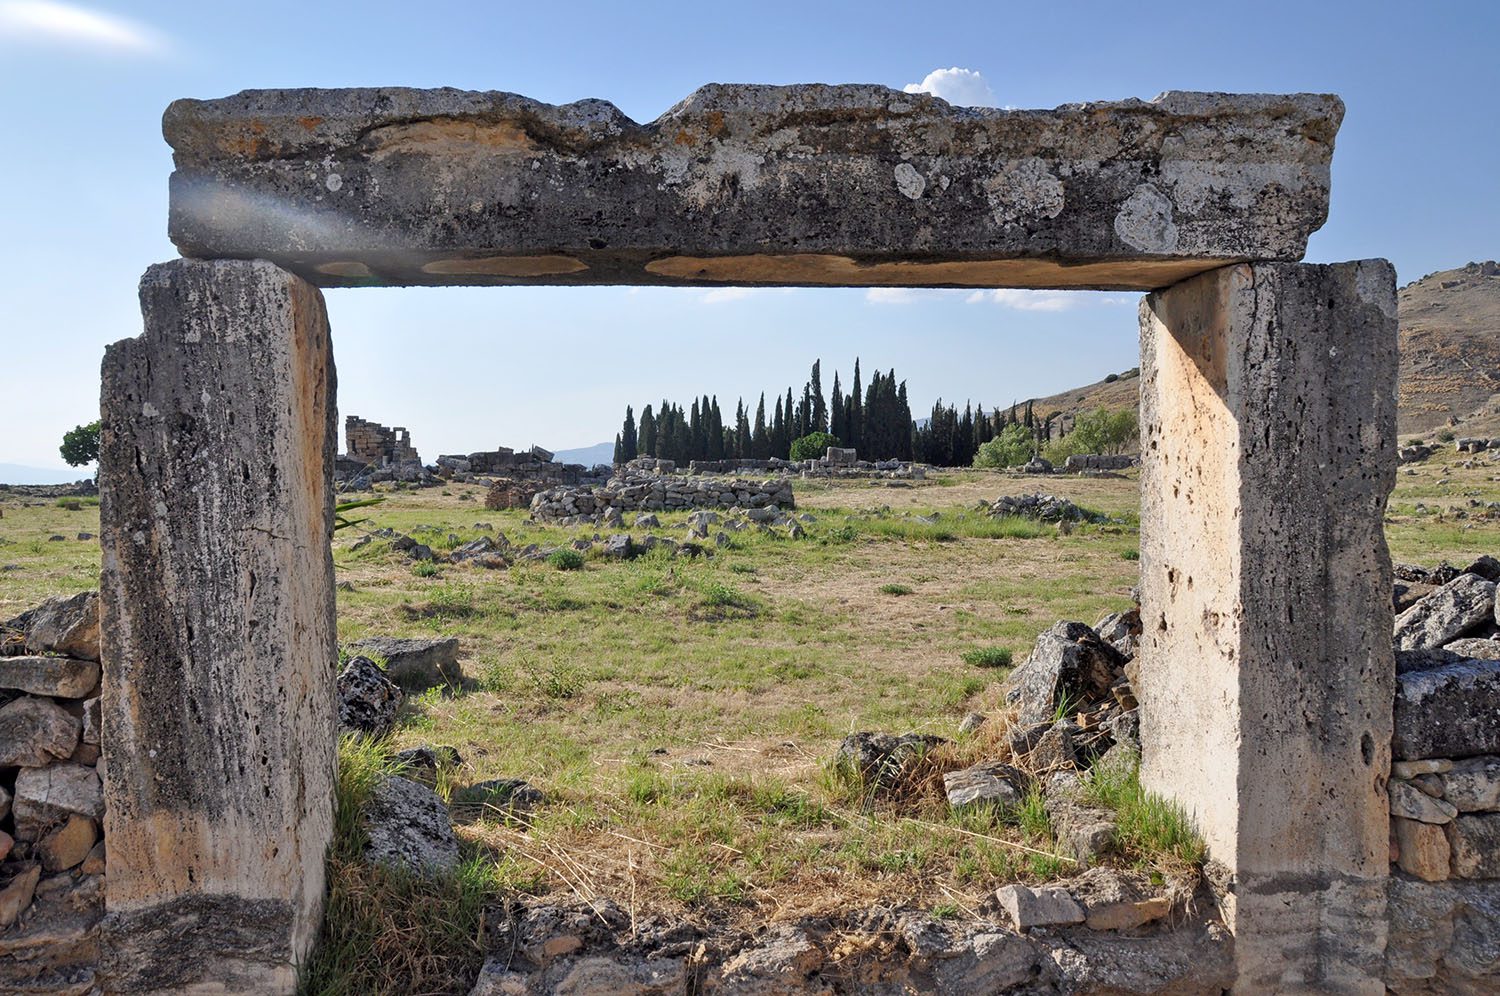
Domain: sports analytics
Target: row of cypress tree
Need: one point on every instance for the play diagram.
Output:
(873, 418)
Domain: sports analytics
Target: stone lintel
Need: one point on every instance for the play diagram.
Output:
(850, 185)
(219, 734)
(1268, 435)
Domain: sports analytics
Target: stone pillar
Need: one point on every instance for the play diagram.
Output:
(1268, 452)
(218, 630)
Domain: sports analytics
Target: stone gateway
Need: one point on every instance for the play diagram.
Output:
(1268, 446)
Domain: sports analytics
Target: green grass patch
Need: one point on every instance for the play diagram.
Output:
(988, 657)
(895, 589)
(1149, 829)
(566, 560)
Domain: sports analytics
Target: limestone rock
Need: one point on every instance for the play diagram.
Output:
(1045, 907)
(55, 949)
(1452, 610)
(69, 844)
(1473, 785)
(1113, 899)
(47, 796)
(1475, 839)
(782, 961)
(64, 625)
(600, 974)
(718, 189)
(1083, 832)
(880, 759)
(1475, 649)
(95, 863)
(368, 700)
(34, 732)
(1069, 663)
(415, 664)
(1121, 630)
(91, 721)
(59, 677)
(1426, 766)
(994, 962)
(408, 825)
(4, 802)
(989, 783)
(1442, 937)
(16, 895)
(7, 842)
(971, 722)
(1422, 849)
(1451, 711)
(1411, 803)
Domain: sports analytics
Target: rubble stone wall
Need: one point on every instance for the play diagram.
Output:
(52, 856)
(644, 492)
(372, 444)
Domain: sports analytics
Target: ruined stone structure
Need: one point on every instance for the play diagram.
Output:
(373, 445)
(1268, 444)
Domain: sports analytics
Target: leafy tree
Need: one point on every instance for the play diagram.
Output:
(812, 445)
(80, 444)
(1011, 448)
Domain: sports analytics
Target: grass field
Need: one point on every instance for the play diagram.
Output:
(680, 713)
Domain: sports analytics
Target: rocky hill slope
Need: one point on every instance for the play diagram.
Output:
(1450, 359)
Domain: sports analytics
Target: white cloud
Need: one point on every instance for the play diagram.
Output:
(1028, 300)
(890, 295)
(961, 87)
(48, 23)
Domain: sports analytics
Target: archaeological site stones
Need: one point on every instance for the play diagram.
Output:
(1349, 810)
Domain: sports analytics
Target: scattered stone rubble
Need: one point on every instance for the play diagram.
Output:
(1047, 508)
(52, 853)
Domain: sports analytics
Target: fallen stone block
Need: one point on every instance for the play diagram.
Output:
(368, 700)
(1046, 907)
(418, 663)
(1448, 613)
(988, 784)
(408, 825)
(1069, 663)
(64, 625)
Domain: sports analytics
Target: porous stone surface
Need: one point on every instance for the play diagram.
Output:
(47, 796)
(1412, 803)
(408, 825)
(1423, 847)
(216, 464)
(58, 677)
(1452, 711)
(1475, 839)
(1473, 784)
(855, 185)
(415, 663)
(1455, 608)
(368, 700)
(1267, 437)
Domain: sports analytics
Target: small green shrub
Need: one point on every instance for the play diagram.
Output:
(565, 560)
(988, 657)
(813, 445)
(895, 589)
(426, 569)
(1445, 436)
(1131, 554)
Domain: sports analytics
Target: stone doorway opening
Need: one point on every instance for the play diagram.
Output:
(1267, 415)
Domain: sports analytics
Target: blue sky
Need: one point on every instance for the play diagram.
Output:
(84, 170)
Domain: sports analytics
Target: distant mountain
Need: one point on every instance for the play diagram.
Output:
(1449, 344)
(15, 473)
(587, 455)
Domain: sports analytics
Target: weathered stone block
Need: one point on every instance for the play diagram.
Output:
(1027, 907)
(60, 677)
(35, 732)
(216, 464)
(1452, 711)
(1442, 938)
(1268, 429)
(417, 663)
(64, 625)
(1452, 610)
(1476, 846)
(1422, 849)
(813, 184)
(1473, 785)
(47, 796)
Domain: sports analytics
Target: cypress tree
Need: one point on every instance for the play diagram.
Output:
(760, 442)
(619, 451)
(856, 414)
(818, 421)
(715, 431)
(647, 439)
(741, 431)
(628, 436)
(790, 415)
(836, 412)
(779, 446)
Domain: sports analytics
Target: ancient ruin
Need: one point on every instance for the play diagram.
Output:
(1266, 673)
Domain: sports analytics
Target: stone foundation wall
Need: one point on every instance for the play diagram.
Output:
(642, 492)
(51, 805)
(1099, 461)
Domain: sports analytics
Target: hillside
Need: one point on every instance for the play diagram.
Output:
(1450, 358)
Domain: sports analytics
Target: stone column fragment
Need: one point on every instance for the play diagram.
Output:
(1268, 452)
(218, 630)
